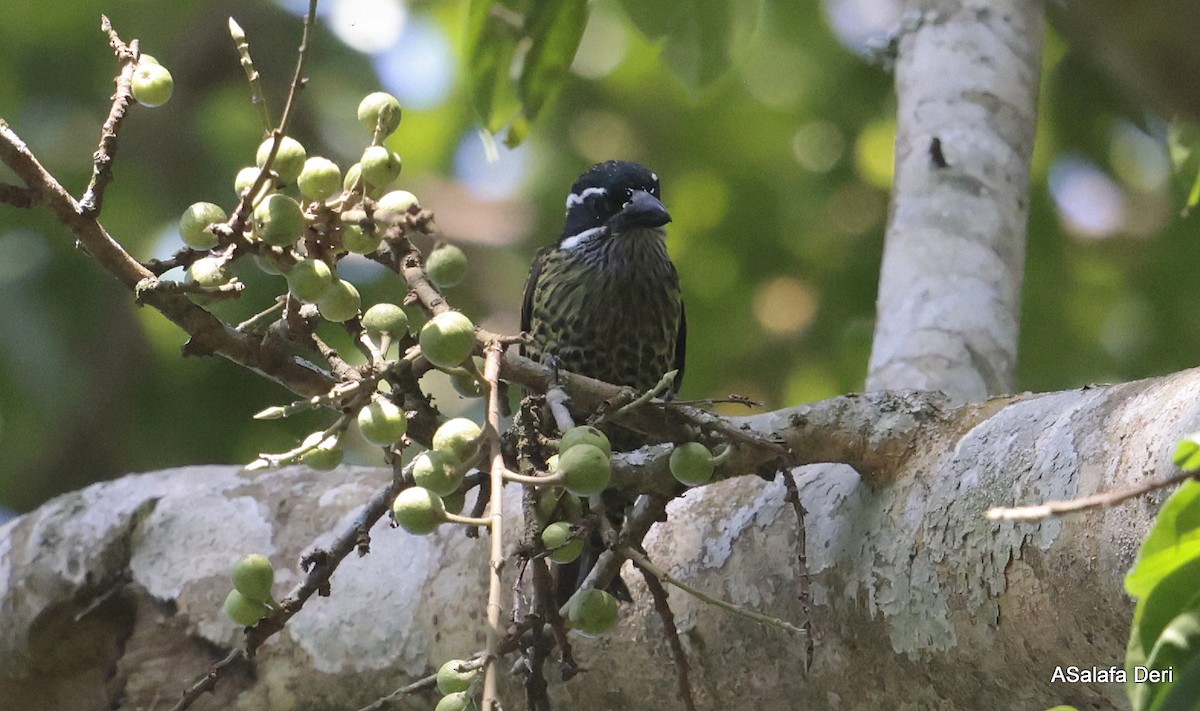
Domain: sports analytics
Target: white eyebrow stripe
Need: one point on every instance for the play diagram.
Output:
(575, 241)
(574, 199)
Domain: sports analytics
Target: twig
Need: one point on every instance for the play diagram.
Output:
(208, 682)
(491, 373)
(336, 394)
(230, 289)
(237, 221)
(644, 563)
(803, 581)
(662, 606)
(256, 91)
(18, 196)
(102, 160)
(659, 388)
(259, 321)
(208, 334)
(1101, 500)
(323, 564)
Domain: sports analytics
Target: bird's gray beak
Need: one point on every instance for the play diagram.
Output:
(642, 210)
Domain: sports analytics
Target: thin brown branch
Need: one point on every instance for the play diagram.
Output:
(1096, 501)
(803, 581)
(662, 605)
(320, 566)
(106, 153)
(18, 196)
(237, 221)
(208, 682)
(208, 334)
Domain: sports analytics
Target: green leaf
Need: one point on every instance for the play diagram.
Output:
(1184, 693)
(704, 38)
(493, 31)
(1187, 452)
(1177, 647)
(1174, 594)
(554, 28)
(1173, 540)
(532, 40)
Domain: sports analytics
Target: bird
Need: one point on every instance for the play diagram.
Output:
(605, 301)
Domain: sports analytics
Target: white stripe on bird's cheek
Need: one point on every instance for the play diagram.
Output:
(573, 199)
(576, 241)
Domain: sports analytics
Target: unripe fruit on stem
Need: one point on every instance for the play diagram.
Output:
(466, 384)
(418, 510)
(289, 159)
(340, 302)
(246, 177)
(691, 464)
(324, 456)
(592, 611)
(458, 437)
(376, 104)
(586, 469)
(382, 422)
(243, 610)
(356, 239)
(438, 471)
(457, 701)
(380, 166)
(393, 206)
(152, 84)
(446, 266)
(209, 271)
(447, 339)
(309, 279)
(385, 318)
(193, 225)
(253, 577)
(279, 220)
(320, 179)
(558, 504)
(558, 541)
(584, 434)
(450, 679)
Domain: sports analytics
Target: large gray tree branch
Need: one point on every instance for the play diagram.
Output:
(950, 284)
(112, 595)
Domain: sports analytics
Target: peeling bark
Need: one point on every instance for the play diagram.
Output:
(111, 596)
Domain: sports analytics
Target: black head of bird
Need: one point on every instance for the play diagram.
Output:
(605, 298)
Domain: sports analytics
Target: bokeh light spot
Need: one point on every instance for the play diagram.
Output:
(602, 135)
(369, 26)
(785, 306)
(818, 146)
(1089, 203)
(419, 68)
(874, 152)
(485, 179)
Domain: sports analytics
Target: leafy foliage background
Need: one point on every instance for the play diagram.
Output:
(779, 259)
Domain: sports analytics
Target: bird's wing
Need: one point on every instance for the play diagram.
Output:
(535, 270)
(680, 347)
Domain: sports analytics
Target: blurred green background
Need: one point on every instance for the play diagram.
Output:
(776, 173)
